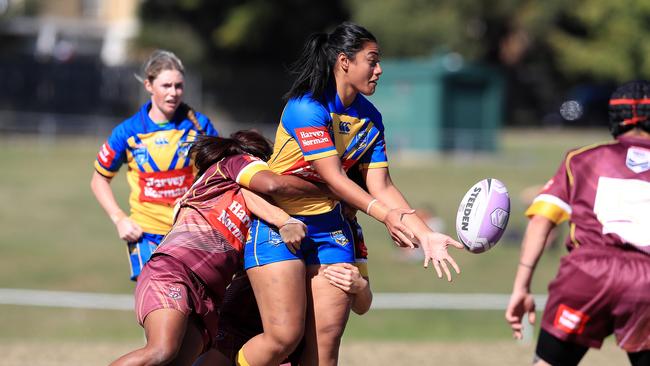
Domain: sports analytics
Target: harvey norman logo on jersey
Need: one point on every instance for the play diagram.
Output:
(312, 138)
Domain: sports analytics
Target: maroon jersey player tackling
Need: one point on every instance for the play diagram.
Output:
(181, 288)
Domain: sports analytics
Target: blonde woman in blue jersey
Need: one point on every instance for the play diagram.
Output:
(153, 144)
(326, 127)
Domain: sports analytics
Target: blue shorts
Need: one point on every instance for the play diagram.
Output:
(140, 252)
(329, 240)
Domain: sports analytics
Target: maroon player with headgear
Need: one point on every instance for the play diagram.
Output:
(603, 284)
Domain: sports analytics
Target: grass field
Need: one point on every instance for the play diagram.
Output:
(53, 235)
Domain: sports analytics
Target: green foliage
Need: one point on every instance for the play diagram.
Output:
(606, 40)
(595, 39)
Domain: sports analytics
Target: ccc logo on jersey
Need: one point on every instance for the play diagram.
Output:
(344, 127)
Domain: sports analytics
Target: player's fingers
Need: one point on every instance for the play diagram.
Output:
(445, 268)
(426, 261)
(337, 285)
(436, 266)
(405, 211)
(531, 317)
(455, 243)
(404, 240)
(510, 317)
(453, 263)
(333, 273)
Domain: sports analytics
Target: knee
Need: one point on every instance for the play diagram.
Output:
(284, 341)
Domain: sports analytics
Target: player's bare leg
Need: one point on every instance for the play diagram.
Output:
(281, 297)
(172, 339)
(327, 314)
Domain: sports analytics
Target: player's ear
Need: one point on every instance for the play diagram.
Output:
(343, 61)
(147, 86)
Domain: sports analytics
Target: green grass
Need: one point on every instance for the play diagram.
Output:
(54, 235)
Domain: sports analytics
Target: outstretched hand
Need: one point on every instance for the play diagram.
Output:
(521, 302)
(435, 246)
(401, 235)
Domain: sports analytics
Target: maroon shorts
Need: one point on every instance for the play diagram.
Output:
(166, 283)
(599, 291)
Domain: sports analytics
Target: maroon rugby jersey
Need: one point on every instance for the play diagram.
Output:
(212, 221)
(604, 192)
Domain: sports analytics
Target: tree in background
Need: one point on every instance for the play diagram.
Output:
(543, 47)
(241, 46)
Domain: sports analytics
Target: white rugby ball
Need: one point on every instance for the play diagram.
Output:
(483, 215)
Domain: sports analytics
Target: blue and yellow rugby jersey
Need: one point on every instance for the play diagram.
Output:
(310, 129)
(159, 168)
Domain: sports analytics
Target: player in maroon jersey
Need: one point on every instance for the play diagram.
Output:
(180, 289)
(603, 284)
(240, 318)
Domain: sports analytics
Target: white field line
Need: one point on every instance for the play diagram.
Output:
(386, 300)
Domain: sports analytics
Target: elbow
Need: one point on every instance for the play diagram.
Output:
(362, 307)
(276, 188)
(271, 188)
(360, 310)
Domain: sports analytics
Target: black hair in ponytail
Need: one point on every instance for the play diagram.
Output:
(208, 150)
(315, 65)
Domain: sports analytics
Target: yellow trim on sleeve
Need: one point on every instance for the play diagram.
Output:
(321, 155)
(249, 171)
(100, 169)
(548, 210)
(379, 164)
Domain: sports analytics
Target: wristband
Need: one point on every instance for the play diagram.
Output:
(291, 220)
(374, 200)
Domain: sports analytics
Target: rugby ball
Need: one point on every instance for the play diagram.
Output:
(483, 215)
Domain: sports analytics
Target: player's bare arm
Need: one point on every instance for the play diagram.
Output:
(291, 230)
(332, 173)
(433, 244)
(269, 183)
(347, 277)
(126, 228)
(521, 300)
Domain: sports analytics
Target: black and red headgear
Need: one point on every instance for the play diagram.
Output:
(629, 107)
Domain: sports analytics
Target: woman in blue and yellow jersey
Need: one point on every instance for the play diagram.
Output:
(326, 127)
(154, 145)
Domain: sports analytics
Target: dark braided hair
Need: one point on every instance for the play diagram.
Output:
(208, 150)
(629, 107)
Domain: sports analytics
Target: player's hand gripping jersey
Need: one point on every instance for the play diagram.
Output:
(311, 129)
(159, 168)
(604, 190)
